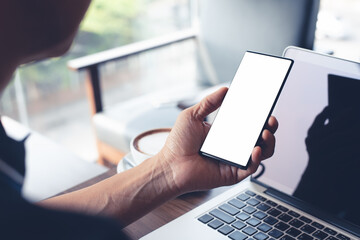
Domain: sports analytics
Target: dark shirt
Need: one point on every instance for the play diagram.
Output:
(20, 219)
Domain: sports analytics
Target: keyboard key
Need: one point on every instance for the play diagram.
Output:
(249, 209)
(238, 225)
(248, 192)
(308, 229)
(296, 223)
(332, 238)
(271, 203)
(305, 219)
(222, 216)
(317, 225)
(263, 206)
(237, 236)
(330, 231)
(294, 214)
(260, 236)
(253, 222)
(264, 227)
(287, 237)
(242, 216)
(205, 218)
(229, 209)
(215, 224)
(275, 233)
(281, 226)
(304, 236)
(342, 237)
(274, 212)
(320, 234)
(249, 230)
(237, 203)
(243, 197)
(260, 215)
(285, 217)
(253, 202)
(261, 198)
(281, 208)
(293, 232)
(225, 229)
(270, 220)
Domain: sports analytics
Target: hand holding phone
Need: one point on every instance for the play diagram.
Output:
(246, 108)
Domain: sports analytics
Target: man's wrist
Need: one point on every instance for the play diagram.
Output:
(161, 164)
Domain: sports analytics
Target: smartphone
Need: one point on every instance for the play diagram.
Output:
(246, 108)
(343, 93)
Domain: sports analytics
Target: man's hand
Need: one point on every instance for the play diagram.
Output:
(177, 169)
(190, 171)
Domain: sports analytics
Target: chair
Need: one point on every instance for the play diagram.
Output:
(223, 32)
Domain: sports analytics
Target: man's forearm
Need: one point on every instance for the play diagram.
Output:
(126, 196)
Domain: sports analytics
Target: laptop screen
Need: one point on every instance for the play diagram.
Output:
(317, 154)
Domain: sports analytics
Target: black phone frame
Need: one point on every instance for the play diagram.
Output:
(204, 154)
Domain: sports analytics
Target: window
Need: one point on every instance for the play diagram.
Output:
(338, 28)
(52, 100)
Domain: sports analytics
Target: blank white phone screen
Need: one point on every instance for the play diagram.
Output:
(245, 108)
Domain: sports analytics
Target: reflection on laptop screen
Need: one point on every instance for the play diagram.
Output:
(317, 156)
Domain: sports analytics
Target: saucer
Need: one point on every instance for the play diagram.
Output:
(126, 163)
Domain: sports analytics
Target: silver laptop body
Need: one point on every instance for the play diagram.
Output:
(296, 196)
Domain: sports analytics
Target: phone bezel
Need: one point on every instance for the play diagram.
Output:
(205, 154)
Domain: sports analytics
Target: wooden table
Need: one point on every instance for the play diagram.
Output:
(163, 214)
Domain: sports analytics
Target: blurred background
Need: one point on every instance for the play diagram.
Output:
(51, 99)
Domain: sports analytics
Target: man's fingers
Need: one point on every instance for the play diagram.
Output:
(256, 157)
(272, 125)
(262, 152)
(208, 104)
(268, 144)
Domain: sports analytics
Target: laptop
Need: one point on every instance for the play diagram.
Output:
(310, 188)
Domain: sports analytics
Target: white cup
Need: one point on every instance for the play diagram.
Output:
(148, 144)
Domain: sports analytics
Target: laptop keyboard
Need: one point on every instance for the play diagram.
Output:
(252, 216)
